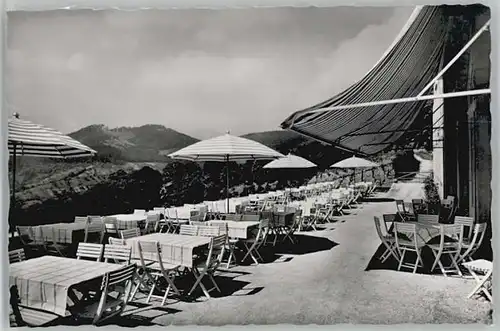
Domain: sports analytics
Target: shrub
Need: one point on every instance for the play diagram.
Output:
(431, 194)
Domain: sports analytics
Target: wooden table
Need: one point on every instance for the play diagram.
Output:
(175, 248)
(61, 233)
(44, 282)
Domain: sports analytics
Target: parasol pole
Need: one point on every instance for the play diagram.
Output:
(227, 183)
(13, 190)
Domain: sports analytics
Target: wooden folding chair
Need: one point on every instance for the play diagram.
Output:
(154, 269)
(119, 283)
(152, 222)
(208, 267)
(17, 255)
(116, 241)
(483, 282)
(468, 223)
(110, 226)
(139, 211)
(406, 238)
(27, 237)
(89, 251)
(52, 247)
(428, 218)
(451, 249)
(117, 253)
(230, 244)
(401, 210)
(252, 245)
(130, 233)
(81, 219)
(188, 230)
(94, 230)
(208, 231)
(387, 240)
(469, 247)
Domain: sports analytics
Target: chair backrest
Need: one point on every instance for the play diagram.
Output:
(94, 225)
(152, 223)
(89, 251)
(130, 233)
(215, 251)
(139, 211)
(117, 253)
(17, 255)
(400, 205)
(148, 251)
(467, 222)
(451, 231)
(119, 281)
(427, 218)
(477, 239)
(110, 225)
(116, 241)
(81, 219)
(208, 231)
(188, 230)
(408, 231)
(378, 227)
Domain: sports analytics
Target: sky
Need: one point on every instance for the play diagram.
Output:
(200, 72)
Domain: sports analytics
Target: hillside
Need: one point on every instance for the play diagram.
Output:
(134, 144)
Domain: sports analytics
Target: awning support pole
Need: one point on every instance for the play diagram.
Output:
(404, 100)
(452, 61)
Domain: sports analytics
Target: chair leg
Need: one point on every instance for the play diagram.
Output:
(402, 259)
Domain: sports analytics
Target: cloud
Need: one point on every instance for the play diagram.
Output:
(201, 72)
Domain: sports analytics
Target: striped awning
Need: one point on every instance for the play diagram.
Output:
(30, 139)
(403, 71)
(226, 148)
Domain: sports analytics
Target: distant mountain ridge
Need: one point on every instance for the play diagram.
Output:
(149, 142)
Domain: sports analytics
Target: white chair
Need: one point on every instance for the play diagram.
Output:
(81, 219)
(139, 211)
(130, 233)
(188, 230)
(483, 282)
(117, 253)
(406, 237)
(111, 226)
(253, 245)
(451, 249)
(116, 241)
(17, 255)
(89, 251)
(94, 230)
(468, 224)
(208, 231)
(119, 283)
(387, 240)
(209, 266)
(152, 222)
(469, 248)
(427, 218)
(154, 268)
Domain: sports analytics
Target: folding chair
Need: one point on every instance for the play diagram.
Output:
(152, 222)
(17, 255)
(387, 240)
(52, 247)
(188, 230)
(119, 283)
(89, 251)
(116, 241)
(427, 218)
(208, 231)
(289, 232)
(401, 210)
(451, 249)
(111, 226)
(230, 244)
(94, 230)
(117, 253)
(81, 219)
(469, 248)
(419, 206)
(130, 233)
(29, 241)
(468, 223)
(209, 266)
(139, 211)
(154, 268)
(252, 245)
(483, 282)
(406, 238)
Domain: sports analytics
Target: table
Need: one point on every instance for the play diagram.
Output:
(64, 233)
(44, 282)
(129, 221)
(426, 231)
(237, 229)
(175, 248)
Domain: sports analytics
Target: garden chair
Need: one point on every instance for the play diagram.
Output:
(387, 240)
(117, 254)
(116, 241)
(450, 249)
(89, 251)
(468, 223)
(17, 255)
(81, 219)
(94, 230)
(406, 238)
(483, 281)
(106, 306)
(188, 230)
(253, 245)
(428, 219)
(154, 269)
(130, 233)
(208, 231)
(230, 244)
(469, 247)
(207, 268)
(152, 222)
